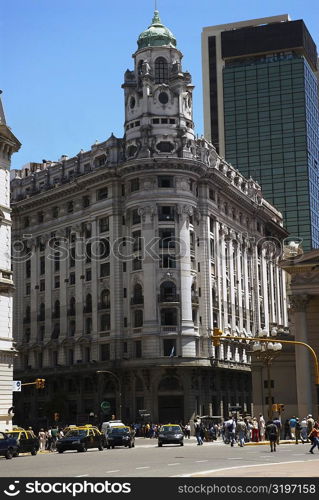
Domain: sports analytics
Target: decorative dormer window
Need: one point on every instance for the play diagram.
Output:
(161, 70)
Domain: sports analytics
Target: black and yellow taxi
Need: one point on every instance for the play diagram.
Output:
(81, 438)
(27, 442)
(170, 434)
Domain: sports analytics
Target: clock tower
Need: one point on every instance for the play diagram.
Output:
(158, 98)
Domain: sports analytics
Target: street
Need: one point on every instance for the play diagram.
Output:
(147, 460)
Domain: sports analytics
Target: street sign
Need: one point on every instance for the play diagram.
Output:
(16, 385)
(105, 406)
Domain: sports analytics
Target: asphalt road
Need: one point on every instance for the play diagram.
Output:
(147, 460)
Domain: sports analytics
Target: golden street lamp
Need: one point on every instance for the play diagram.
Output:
(119, 387)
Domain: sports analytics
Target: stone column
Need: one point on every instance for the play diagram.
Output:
(304, 363)
(222, 256)
(187, 325)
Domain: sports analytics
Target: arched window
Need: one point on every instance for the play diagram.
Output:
(42, 312)
(105, 299)
(88, 303)
(161, 70)
(138, 318)
(168, 291)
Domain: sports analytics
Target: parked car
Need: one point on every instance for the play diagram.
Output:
(120, 436)
(81, 438)
(8, 446)
(170, 434)
(26, 440)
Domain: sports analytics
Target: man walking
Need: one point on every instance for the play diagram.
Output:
(198, 433)
(272, 434)
(292, 425)
(241, 431)
(277, 422)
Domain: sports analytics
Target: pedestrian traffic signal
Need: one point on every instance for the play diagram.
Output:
(216, 334)
(40, 383)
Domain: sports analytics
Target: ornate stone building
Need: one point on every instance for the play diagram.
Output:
(132, 252)
(9, 144)
(304, 317)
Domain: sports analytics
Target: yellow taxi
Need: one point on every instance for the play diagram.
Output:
(80, 438)
(26, 440)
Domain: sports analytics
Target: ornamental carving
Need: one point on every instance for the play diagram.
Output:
(147, 212)
(298, 303)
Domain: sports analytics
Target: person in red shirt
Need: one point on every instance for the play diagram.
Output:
(314, 437)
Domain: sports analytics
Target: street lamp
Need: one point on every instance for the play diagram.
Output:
(267, 352)
(119, 387)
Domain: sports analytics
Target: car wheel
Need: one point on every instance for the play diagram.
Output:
(84, 448)
(60, 451)
(113, 447)
(160, 444)
(34, 451)
(16, 453)
(9, 453)
(182, 444)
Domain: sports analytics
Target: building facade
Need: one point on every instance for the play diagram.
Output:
(129, 254)
(8, 145)
(261, 110)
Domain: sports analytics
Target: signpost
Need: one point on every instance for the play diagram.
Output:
(16, 385)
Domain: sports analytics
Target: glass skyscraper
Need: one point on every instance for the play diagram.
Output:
(261, 112)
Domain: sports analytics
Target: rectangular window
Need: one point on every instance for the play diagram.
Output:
(56, 261)
(167, 238)
(56, 281)
(105, 322)
(105, 269)
(169, 347)
(135, 185)
(72, 279)
(72, 257)
(104, 352)
(88, 275)
(104, 224)
(102, 193)
(136, 264)
(167, 262)
(42, 285)
(124, 293)
(42, 266)
(136, 218)
(28, 289)
(166, 213)
(138, 348)
(165, 181)
(125, 322)
(85, 201)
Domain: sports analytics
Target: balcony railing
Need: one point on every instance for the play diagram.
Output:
(87, 309)
(169, 329)
(102, 305)
(169, 298)
(71, 312)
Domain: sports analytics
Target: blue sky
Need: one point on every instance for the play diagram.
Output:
(63, 62)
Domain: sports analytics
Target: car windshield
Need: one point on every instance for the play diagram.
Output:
(120, 430)
(75, 433)
(171, 428)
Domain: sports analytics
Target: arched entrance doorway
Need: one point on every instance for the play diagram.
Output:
(170, 400)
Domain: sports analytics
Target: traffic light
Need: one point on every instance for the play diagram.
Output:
(281, 408)
(216, 334)
(40, 383)
(275, 407)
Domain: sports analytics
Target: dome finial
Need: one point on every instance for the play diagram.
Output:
(156, 18)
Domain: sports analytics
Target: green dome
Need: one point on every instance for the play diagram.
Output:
(156, 35)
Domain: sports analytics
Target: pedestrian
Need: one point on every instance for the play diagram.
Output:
(297, 430)
(198, 432)
(230, 427)
(255, 431)
(262, 427)
(241, 431)
(287, 434)
(272, 434)
(42, 439)
(314, 437)
(187, 430)
(303, 431)
(310, 424)
(292, 425)
(277, 422)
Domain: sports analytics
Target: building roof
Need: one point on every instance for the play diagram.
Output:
(156, 35)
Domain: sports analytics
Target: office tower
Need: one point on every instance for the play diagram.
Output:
(261, 112)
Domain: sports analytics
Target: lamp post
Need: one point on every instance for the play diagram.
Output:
(119, 387)
(267, 352)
